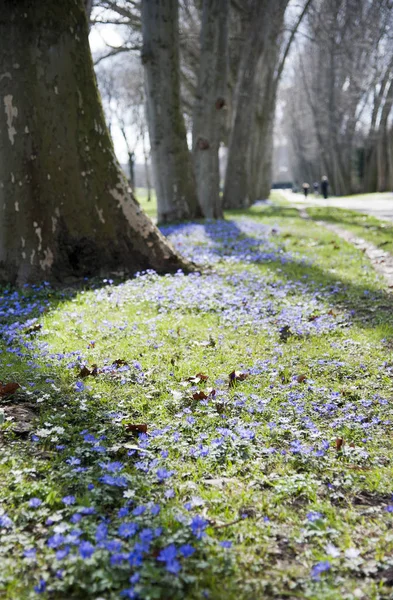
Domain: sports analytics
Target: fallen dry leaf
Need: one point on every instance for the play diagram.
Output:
(8, 388)
(197, 378)
(85, 371)
(33, 328)
(339, 443)
(141, 428)
(236, 376)
(301, 378)
(119, 362)
(200, 396)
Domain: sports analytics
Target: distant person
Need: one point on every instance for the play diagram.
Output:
(324, 186)
(306, 187)
(316, 188)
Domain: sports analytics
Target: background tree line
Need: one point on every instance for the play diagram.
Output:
(339, 94)
(211, 74)
(197, 75)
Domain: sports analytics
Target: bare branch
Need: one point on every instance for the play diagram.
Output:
(291, 38)
(115, 51)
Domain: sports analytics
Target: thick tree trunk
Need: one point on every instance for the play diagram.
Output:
(265, 16)
(65, 206)
(211, 105)
(172, 163)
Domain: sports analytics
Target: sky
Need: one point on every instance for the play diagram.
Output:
(98, 38)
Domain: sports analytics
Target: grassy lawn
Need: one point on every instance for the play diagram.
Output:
(149, 206)
(233, 441)
(374, 230)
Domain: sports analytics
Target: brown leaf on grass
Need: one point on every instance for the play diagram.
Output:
(312, 317)
(339, 444)
(33, 328)
(202, 376)
(84, 372)
(200, 396)
(236, 376)
(301, 378)
(197, 378)
(119, 362)
(8, 388)
(140, 428)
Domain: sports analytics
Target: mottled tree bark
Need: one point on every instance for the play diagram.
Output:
(264, 17)
(172, 164)
(211, 103)
(65, 206)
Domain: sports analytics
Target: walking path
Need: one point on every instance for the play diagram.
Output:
(376, 205)
(381, 260)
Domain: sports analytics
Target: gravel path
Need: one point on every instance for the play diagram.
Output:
(379, 206)
(381, 260)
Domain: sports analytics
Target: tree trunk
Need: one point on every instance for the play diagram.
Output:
(264, 17)
(65, 206)
(172, 164)
(211, 105)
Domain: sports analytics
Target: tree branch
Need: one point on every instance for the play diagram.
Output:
(291, 38)
(116, 51)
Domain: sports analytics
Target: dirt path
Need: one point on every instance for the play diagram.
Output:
(379, 206)
(381, 260)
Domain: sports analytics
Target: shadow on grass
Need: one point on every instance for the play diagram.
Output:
(369, 306)
(339, 216)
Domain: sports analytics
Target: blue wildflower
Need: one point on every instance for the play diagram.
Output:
(198, 525)
(86, 550)
(139, 510)
(5, 521)
(56, 540)
(76, 518)
(127, 529)
(62, 553)
(101, 532)
(319, 568)
(113, 481)
(68, 500)
(155, 509)
(112, 467)
(41, 587)
(113, 546)
(186, 550)
(129, 593)
(168, 556)
(73, 461)
(314, 516)
(163, 474)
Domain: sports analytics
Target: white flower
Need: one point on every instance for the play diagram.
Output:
(352, 553)
(332, 551)
(128, 494)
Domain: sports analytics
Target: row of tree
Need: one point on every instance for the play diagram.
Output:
(338, 101)
(211, 67)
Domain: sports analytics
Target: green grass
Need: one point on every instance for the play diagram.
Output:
(149, 206)
(255, 492)
(371, 229)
